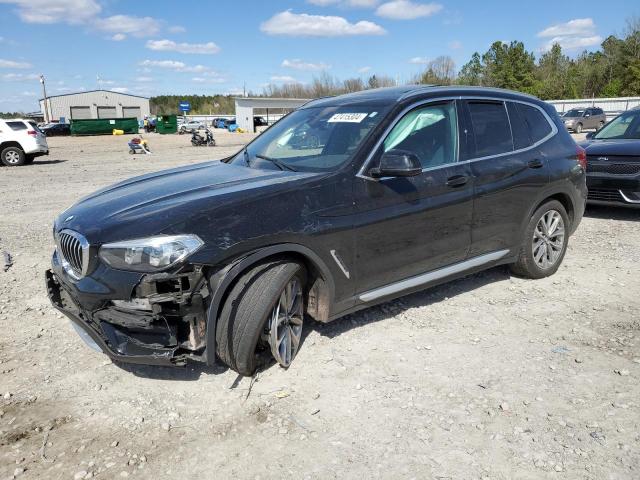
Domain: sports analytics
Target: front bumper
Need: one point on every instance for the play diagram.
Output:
(611, 189)
(169, 334)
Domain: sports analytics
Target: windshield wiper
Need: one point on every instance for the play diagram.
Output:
(275, 161)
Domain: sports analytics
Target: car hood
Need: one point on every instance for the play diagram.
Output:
(153, 203)
(612, 147)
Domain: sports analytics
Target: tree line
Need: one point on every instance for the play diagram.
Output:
(612, 71)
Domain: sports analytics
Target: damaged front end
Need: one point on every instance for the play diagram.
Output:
(163, 322)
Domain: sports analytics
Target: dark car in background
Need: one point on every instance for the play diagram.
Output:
(259, 122)
(409, 187)
(578, 119)
(56, 129)
(613, 161)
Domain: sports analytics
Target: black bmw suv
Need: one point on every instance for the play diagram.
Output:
(387, 192)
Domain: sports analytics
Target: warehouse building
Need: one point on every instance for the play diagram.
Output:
(94, 104)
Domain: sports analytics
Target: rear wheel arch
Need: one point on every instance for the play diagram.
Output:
(320, 285)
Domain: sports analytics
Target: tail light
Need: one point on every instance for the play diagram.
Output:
(581, 156)
(33, 133)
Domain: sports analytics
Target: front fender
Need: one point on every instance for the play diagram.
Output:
(221, 280)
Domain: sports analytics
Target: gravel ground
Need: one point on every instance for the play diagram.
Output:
(490, 376)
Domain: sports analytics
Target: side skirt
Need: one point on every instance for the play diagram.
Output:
(431, 276)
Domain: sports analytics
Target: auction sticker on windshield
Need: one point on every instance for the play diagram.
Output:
(347, 117)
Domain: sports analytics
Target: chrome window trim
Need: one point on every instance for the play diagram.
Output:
(554, 132)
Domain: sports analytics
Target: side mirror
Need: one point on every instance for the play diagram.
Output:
(397, 163)
(587, 115)
(590, 135)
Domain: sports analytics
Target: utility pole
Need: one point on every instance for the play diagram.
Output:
(44, 95)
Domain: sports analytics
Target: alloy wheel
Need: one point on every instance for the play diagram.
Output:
(548, 239)
(285, 324)
(12, 157)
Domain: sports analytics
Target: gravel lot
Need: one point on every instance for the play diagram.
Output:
(490, 376)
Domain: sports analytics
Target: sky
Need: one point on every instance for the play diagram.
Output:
(170, 47)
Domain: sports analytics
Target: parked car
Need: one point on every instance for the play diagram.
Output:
(577, 119)
(57, 129)
(191, 125)
(259, 122)
(219, 122)
(613, 161)
(413, 187)
(21, 141)
(223, 122)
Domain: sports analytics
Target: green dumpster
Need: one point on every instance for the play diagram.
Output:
(167, 124)
(104, 126)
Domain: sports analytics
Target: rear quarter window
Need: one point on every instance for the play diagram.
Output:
(17, 125)
(519, 127)
(538, 124)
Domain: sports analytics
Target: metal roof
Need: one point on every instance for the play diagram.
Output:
(93, 91)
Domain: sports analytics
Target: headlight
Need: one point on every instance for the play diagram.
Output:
(150, 254)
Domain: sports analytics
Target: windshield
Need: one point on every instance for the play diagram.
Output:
(574, 113)
(314, 139)
(624, 126)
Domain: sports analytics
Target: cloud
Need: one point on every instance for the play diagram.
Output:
(455, 45)
(283, 79)
(119, 89)
(213, 79)
(305, 25)
(13, 64)
(20, 77)
(419, 60)
(55, 11)
(118, 37)
(345, 3)
(175, 65)
(574, 34)
(127, 24)
(208, 48)
(144, 79)
(407, 10)
(364, 69)
(579, 26)
(177, 29)
(298, 64)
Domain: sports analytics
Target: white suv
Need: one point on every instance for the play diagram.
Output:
(20, 142)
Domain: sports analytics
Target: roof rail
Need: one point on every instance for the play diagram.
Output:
(416, 91)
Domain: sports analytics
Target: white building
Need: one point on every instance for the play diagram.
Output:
(95, 104)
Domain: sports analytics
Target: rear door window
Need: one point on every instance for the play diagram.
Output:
(491, 128)
(17, 125)
(538, 124)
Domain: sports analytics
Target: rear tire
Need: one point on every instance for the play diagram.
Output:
(245, 317)
(545, 242)
(13, 157)
(600, 125)
(579, 128)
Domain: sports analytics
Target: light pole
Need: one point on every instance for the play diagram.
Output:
(44, 94)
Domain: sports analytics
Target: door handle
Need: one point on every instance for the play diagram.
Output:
(536, 163)
(457, 181)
